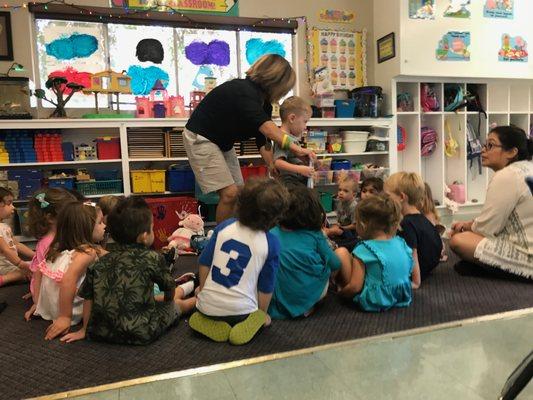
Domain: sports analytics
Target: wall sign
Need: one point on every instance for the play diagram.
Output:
(422, 9)
(217, 7)
(454, 47)
(499, 9)
(458, 9)
(6, 40)
(336, 16)
(386, 48)
(513, 49)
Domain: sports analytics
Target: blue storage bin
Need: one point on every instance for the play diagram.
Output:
(344, 108)
(181, 180)
(67, 182)
(106, 174)
(28, 187)
(23, 174)
(337, 165)
(68, 151)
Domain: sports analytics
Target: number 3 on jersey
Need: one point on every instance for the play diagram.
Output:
(236, 267)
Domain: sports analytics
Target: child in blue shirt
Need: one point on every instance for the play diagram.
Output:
(306, 259)
(238, 266)
(380, 277)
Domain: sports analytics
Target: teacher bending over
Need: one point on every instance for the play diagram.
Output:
(501, 236)
(237, 110)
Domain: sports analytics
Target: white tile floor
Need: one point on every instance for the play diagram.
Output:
(462, 363)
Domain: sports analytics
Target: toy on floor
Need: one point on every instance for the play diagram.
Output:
(181, 238)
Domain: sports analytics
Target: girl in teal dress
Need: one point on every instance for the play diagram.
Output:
(380, 275)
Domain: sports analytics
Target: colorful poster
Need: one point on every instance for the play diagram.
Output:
(458, 9)
(343, 53)
(454, 47)
(422, 9)
(336, 16)
(513, 49)
(217, 7)
(499, 9)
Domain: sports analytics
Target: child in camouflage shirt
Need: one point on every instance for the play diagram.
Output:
(119, 304)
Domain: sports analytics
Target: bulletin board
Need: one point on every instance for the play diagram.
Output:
(343, 53)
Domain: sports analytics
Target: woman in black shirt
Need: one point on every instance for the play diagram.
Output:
(237, 110)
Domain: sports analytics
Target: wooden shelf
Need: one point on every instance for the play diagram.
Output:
(61, 163)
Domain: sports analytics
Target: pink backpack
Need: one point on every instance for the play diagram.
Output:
(428, 141)
(428, 98)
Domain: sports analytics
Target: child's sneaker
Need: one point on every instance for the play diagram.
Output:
(219, 331)
(187, 277)
(244, 331)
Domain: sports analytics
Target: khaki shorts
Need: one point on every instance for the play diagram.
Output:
(213, 168)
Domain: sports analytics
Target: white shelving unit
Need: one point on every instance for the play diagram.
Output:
(84, 131)
(506, 102)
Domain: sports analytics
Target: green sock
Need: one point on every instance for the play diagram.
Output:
(244, 331)
(218, 331)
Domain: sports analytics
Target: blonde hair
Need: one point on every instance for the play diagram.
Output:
(294, 105)
(408, 183)
(274, 75)
(351, 182)
(376, 214)
(428, 204)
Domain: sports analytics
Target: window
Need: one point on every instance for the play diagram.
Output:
(205, 53)
(73, 50)
(180, 59)
(147, 54)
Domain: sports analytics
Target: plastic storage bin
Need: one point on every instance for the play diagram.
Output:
(323, 177)
(89, 188)
(344, 108)
(168, 212)
(63, 182)
(181, 180)
(108, 148)
(326, 199)
(106, 174)
(254, 170)
(341, 164)
(148, 181)
(354, 146)
(340, 175)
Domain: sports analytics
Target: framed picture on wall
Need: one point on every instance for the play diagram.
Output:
(386, 48)
(6, 40)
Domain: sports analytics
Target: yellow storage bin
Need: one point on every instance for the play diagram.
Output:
(148, 181)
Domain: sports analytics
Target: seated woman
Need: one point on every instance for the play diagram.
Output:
(500, 239)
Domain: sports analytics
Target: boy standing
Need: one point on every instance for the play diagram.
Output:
(119, 304)
(238, 266)
(295, 113)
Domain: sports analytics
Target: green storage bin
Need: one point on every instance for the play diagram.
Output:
(99, 187)
(326, 199)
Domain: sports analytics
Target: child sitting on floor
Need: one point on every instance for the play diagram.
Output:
(343, 232)
(371, 187)
(12, 267)
(417, 231)
(119, 304)
(383, 270)
(43, 208)
(294, 113)
(107, 204)
(430, 212)
(238, 266)
(306, 259)
(79, 227)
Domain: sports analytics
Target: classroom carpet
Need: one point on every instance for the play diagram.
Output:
(31, 366)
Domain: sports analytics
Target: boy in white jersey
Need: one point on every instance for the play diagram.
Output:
(238, 266)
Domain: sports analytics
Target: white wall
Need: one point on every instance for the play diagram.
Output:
(419, 40)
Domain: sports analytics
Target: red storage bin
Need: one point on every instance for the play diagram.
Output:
(108, 148)
(253, 170)
(168, 212)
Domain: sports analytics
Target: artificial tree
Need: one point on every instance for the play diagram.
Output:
(58, 85)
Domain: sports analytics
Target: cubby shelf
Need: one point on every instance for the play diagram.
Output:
(501, 99)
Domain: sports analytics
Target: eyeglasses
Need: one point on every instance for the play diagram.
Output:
(489, 146)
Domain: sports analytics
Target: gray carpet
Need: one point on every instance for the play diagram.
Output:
(30, 366)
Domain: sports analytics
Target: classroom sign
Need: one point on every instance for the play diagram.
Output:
(513, 49)
(454, 46)
(499, 9)
(217, 7)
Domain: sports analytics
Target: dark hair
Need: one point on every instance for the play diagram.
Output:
(75, 226)
(305, 210)
(261, 203)
(41, 214)
(107, 203)
(376, 183)
(130, 218)
(377, 213)
(4, 192)
(513, 137)
(76, 194)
